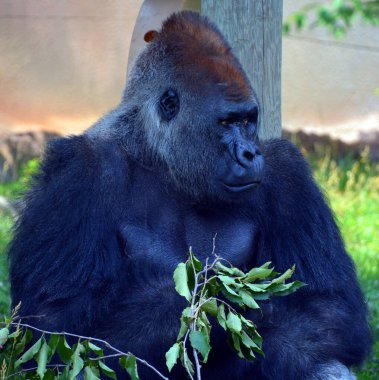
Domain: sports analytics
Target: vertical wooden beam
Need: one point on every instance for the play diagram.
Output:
(254, 30)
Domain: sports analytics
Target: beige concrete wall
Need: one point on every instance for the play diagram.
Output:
(328, 84)
(63, 64)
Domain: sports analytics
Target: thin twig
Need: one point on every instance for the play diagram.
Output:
(185, 356)
(17, 317)
(14, 342)
(214, 245)
(219, 300)
(105, 357)
(198, 366)
(193, 324)
(34, 368)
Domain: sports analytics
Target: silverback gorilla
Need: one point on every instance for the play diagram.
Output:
(113, 211)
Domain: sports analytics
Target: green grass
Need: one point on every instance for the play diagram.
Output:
(352, 187)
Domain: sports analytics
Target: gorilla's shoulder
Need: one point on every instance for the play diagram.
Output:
(284, 160)
(288, 177)
(81, 157)
(61, 152)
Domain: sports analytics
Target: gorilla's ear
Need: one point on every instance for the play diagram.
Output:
(150, 35)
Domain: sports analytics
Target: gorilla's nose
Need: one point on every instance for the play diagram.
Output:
(245, 154)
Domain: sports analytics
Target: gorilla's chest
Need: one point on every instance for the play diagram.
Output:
(165, 230)
(230, 235)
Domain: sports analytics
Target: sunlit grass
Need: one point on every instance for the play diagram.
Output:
(352, 187)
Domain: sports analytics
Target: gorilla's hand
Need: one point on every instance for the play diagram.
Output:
(332, 371)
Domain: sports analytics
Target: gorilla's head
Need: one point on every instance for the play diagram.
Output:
(196, 109)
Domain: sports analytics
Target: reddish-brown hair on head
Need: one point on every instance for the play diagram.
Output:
(193, 40)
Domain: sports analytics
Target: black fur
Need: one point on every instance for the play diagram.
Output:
(107, 221)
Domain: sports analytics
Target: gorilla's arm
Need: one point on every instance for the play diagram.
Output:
(60, 261)
(325, 322)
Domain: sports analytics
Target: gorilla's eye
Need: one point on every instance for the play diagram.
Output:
(224, 122)
(169, 105)
(253, 115)
(245, 122)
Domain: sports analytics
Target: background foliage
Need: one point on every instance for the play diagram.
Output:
(337, 16)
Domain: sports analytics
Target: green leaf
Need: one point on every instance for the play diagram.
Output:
(64, 375)
(186, 361)
(64, 350)
(4, 333)
(258, 274)
(233, 322)
(181, 281)
(227, 280)
(53, 344)
(221, 317)
(107, 371)
(212, 287)
(90, 374)
(232, 271)
(15, 334)
(196, 262)
(130, 364)
(300, 19)
(49, 375)
(286, 28)
(248, 300)
(247, 341)
(289, 288)
(20, 345)
(97, 350)
(229, 290)
(257, 288)
(200, 342)
(29, 354)
(186, 321)
(172, 356)
(203, 324)
(42, 359)
(247, 322)
(210, 306)
(77, 362)
(236, 344)
(287, 274)
(232, 298)
(184, 326)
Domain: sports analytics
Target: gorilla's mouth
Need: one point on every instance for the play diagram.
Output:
(238, 187)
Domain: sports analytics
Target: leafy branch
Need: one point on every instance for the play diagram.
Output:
(211, 291)
(83, 357)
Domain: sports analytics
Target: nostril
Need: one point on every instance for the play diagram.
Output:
(248, 155)
(244, 154)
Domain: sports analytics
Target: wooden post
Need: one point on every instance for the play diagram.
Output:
(254, 30)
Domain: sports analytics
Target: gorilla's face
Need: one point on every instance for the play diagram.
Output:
(198, 109)
(210, 144)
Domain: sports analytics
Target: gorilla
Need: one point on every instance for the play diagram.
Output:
(113, 211)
